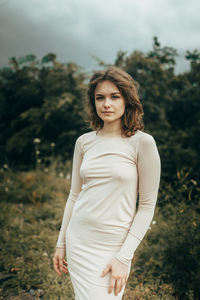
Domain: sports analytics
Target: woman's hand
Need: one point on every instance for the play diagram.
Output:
(59, 262)
(119, 275)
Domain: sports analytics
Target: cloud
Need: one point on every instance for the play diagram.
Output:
(75, 30)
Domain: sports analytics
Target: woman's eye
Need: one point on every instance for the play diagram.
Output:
(101, 97)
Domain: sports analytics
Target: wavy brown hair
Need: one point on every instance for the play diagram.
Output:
(131, 121)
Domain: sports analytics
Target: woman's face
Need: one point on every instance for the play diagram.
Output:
(109, 99)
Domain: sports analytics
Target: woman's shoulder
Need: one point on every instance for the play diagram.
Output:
(145, 135)
(146, 140)
(85, 136)
(142, 135)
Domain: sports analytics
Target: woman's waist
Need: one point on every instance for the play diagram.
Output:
(101, 221)
(97, 236)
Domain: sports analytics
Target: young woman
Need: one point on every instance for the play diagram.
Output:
(101, 227)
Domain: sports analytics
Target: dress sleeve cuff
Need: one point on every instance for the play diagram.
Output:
(127, 250)
(60, 245)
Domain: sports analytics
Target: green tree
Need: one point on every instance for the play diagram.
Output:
(40, 99)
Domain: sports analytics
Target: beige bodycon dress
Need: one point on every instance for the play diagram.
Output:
(100, 220)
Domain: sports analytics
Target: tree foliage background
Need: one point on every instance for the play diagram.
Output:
(46, 99)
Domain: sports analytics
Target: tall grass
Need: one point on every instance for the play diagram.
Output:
(165, 266)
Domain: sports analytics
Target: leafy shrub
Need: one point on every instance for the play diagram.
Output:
(28, 239)
(165, 266)
(27, 187)
(172, 251)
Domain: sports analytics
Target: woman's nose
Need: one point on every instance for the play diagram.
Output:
(107, 102)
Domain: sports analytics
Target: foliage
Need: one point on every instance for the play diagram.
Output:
(33, 187)
(26, 188)
(28, 238)
(40, 100)
(171, 251)
(165, 266)
(46, 100)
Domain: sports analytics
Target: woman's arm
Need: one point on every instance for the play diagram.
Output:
(76, 184)
(149, 169)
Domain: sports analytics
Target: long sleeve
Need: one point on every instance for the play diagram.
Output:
(76, 184)
(149, 169)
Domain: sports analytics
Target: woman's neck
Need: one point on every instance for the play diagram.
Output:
(110, 130)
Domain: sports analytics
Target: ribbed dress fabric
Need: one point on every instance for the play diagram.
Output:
(100, 219)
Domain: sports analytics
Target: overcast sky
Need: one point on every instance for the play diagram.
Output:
(77, 30)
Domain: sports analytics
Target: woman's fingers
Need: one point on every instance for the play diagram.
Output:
(112, 284)
(60, 265)
(65, 262)
(118, 278)
(65, 265)
(117, 287)
(65, 270)
(122, 285)
(56, 265)
(105, 271)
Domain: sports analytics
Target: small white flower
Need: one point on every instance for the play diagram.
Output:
(6, 189)
(46, 170)
(61, 175)
(37, 152)
(5, 166)
(154, 222)
(36, 140)
(39, 160)
(68, 176)
(53, 145)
